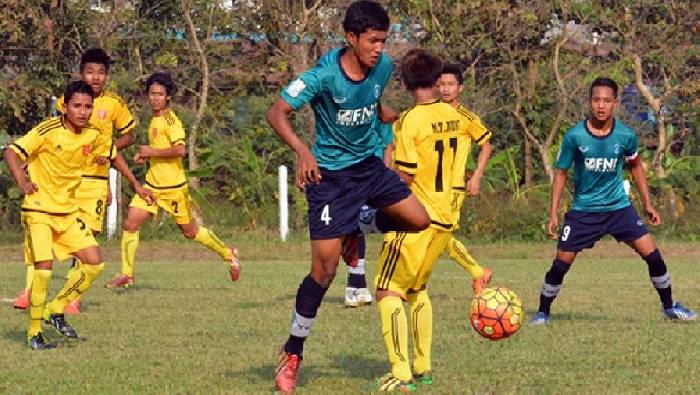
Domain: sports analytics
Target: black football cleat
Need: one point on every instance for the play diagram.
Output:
(39, 342)
(58, 321)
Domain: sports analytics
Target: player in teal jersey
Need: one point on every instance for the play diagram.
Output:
(341, 173)
(597, 148)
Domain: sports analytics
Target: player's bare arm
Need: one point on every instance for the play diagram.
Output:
(557, 192)
(125, 140)
(15, 165)
(474, 183)
(640, 180)
(146, 151)
(120, 164)
(307, 169)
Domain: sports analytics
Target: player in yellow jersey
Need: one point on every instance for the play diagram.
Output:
(110, 114)
(427, 139)
(166, 178)
(56, 152)
(450, 85)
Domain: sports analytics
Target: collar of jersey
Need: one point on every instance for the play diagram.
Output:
(340, 67)
(612, 129)
(429, 102)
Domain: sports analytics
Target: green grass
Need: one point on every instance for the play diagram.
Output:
(186, 329)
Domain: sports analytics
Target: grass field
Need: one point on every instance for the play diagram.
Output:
(186, 329)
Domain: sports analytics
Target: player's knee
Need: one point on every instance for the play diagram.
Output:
(130, 225)
(420, 223)
(189, 233)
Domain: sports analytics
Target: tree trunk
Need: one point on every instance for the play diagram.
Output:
(655, 104)
(204, 91)
(527, 148)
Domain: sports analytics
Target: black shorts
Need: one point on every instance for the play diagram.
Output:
(335, 203)
(582, 229)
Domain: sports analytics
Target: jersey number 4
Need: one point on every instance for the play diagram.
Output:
(326, 215)
(440, 148)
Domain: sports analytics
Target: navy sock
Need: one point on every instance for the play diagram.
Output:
(552, 284)
(309, 297)
(660, 278)
(357, 280)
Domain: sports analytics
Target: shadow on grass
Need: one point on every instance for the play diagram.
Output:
(266, 375)
(361, 366)
(570, 316)
(20, 339)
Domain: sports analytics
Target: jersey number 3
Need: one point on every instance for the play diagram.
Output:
(440, 148)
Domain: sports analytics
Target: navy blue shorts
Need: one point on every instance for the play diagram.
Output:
(582, 229)
(335, 203)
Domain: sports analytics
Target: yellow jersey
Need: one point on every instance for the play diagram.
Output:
(428, 138)
(166, 131)
(476, 132)
(109, 114)
(56, 158)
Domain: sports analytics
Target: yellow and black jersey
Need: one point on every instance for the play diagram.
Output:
(109, 114)
(428, 138)
(56, 158)
(476, 132)
(166, 131)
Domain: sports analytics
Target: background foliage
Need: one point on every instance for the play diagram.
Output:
(527, 67)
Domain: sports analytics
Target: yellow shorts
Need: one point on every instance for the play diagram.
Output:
(175, 201)
(92, 200)
(46, 236)
(407, 259)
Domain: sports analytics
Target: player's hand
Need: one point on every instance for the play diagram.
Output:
(307, 169)
(139, 160)
(102, 160)
(474, 185)
(146, 195)
(28, 187)
(653, 215)
(388, 115)
(553, 227)
(109, 197)
(145, 151)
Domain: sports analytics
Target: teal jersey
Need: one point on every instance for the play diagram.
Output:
(345, 110)
(597, 161)
(386, 137)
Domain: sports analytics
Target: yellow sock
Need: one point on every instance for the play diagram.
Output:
(208, 239)
(458, 252)
(395, 332)
(29, 277)
(421, 329)
(129, 244)
(40, 287)
(78, 282)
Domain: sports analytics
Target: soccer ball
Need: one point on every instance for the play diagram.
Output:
(497, 313)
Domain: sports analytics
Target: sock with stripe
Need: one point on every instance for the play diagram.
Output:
(309, 297)
(356, 275)
(552, 284)
(208, 239)
(458, 252)
(29, 277)
(421, 311)
(129, 244)
(660, 278)
(77, 283)
(37, 301)
(395, 333)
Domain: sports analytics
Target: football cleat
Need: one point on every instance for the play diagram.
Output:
(540, 318)
(73, 308)
(678, 312)
(39, 342)
(389, 383)
(58, 321)
(22, 300)
(478, 284)
(364, 297)
(235, 264)
(351, 249)
(120, 281)
(286, 372)
(351, 297)
(425, 378)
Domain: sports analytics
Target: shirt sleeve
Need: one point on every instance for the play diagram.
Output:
(123, 121)
(28, 144)
(59, 105)
(176, 134)
(386, 134)
(630, 149)
(405, 154)
(475, 128)
(303, 89)
(566, 152)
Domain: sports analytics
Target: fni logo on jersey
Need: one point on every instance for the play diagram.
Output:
(356, 117)
(600, 164)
